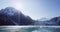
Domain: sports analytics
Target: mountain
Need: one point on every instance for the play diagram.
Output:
(43, 19)
(55, 20)
(12, 16)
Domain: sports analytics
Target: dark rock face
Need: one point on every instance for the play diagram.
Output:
(11, 16)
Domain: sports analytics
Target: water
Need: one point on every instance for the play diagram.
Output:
(29, 29)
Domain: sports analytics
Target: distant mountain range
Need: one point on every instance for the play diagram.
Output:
(53, 21)
(12, 16)
(43, 19)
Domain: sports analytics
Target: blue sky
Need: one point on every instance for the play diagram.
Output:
(36, 9)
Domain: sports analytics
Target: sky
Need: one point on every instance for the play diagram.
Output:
(36, 9)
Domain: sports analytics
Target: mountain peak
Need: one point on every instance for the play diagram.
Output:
(8, 11)
(12, 9)
(9, 8)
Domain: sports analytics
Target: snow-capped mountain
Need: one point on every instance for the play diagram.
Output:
(43, 19)
(11, 16)
(8, 11)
